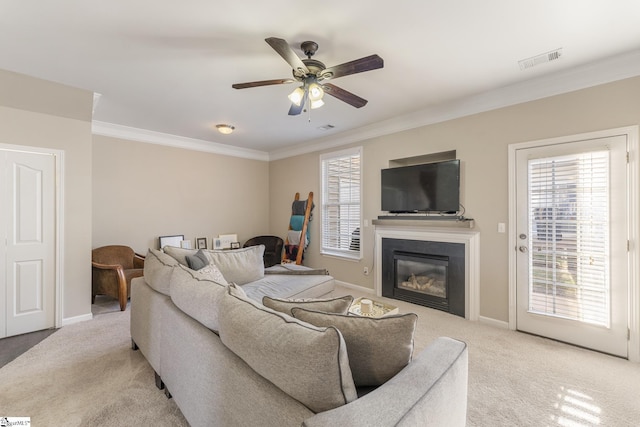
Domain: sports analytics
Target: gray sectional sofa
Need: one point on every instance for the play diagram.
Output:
(227, 360)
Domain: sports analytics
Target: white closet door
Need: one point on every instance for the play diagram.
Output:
(27, 253)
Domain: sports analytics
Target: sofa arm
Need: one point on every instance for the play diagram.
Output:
(430, 391)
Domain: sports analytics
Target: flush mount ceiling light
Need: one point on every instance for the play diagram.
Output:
(225, 129)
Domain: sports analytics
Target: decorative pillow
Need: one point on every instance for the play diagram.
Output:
(180, 254)
(158, 268)
(239, 266)
(196, 296)
(197, 260)
(378, 348)
(333, 305)
(211, 272)
(308, 363)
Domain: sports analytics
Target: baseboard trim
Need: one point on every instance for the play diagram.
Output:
(493, 322)
(77, 319)
(358, 288)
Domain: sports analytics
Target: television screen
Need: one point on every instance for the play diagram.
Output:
(422, 188)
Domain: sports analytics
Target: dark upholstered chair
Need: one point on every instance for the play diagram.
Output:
(272, 248)
(113, 267)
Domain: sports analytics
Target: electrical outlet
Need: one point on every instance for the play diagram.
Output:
(366, 271)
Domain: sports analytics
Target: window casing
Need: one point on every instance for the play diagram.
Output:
(341, 203)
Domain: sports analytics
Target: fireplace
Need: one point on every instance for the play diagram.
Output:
(428, 273)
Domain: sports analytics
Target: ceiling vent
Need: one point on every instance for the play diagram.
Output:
(326, 127)
(540, 59)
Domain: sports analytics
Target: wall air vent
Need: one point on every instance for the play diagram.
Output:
(540, 59)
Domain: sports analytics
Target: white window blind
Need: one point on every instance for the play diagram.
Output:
(341, 203)
(569, 230)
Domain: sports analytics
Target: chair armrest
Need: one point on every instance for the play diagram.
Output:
(106, 266)
(138, 260)
(430, 391)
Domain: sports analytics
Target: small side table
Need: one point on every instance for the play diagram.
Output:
(379, 309)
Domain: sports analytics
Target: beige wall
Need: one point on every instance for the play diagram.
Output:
(481, 142)
(142, 191)
(38, 113)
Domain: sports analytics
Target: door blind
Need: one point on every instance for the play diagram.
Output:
(341, 213)
(569, 237)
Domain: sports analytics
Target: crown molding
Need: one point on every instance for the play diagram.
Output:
(153, 137)
(612, 69)
(589, 75)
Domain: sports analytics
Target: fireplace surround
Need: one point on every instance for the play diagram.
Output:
(422, 242)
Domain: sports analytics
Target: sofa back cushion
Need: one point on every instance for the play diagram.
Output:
(239, 266)
(378, 348)
(308, 363)
(158, 268)
(338, 305)
(197, 295)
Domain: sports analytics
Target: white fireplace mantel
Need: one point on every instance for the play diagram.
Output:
(470, 239)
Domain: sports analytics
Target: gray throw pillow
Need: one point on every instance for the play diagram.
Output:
(197, 260)
(239, 266)
(331, 305)
(378, 348)
(308, 363)
(180, 254)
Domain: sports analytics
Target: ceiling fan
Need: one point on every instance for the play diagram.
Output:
(314, 75)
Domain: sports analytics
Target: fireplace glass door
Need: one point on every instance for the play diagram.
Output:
(423, 274)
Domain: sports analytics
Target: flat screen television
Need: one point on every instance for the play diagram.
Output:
(429, 187)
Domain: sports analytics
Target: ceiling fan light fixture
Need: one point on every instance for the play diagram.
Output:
(296, 96)
(316, 104)
(225, 129)
(315, 92)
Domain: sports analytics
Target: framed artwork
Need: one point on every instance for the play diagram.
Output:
(235, 245)
(217, 243)
(227, 239)
(174, 240)
(201, 243)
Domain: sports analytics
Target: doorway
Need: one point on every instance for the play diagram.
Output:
(571, 214)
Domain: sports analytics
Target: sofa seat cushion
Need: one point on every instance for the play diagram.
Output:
(197, 295)
(338, 305)
(308, 363)
(378, 348)
(158, 268)
(289, 286)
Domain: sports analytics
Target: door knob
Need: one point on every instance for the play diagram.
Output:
(522, 249)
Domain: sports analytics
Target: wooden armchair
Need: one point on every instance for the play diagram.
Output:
(113, 267)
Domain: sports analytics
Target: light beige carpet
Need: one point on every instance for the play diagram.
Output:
(87, 375)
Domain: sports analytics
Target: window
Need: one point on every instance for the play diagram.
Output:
(341, 211)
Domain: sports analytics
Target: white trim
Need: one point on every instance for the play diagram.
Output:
(493, 322)
(159, 138)
(58, 156)
(471, 241)
(633, 145)
(76, 319)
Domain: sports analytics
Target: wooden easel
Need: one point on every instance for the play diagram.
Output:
(303, 231)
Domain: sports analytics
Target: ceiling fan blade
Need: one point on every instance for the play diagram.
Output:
(282, 47)
(343, 95)
(261, 83)
(297, 109)
(361, 65)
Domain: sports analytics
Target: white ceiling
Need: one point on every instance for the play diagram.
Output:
(168, 66)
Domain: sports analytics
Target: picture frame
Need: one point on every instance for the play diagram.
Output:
(174, 240)
(201, 243)
(235, 245)
(217, 243)
(227, 239)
